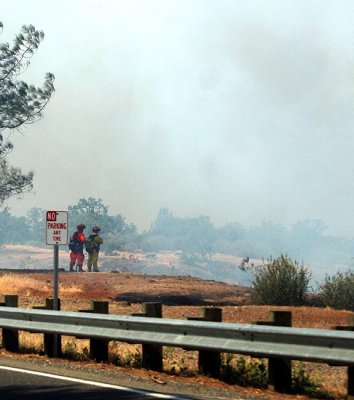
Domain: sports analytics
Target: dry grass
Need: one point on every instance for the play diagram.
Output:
(119, 289)
(28, 286)
(15, 284)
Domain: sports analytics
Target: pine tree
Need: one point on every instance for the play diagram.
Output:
(20, 104)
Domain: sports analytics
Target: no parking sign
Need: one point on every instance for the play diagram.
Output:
(57, 227)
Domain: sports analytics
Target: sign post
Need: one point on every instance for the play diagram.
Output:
(56, 278)
(57, 234)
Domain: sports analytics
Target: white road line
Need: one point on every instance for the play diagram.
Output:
(92, 383)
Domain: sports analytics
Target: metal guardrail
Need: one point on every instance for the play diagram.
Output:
(333, 347)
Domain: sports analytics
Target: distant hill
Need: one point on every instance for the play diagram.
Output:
(218, 267)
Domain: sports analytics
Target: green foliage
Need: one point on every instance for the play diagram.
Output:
(126, 241)
(194, 239)
(304, 240)
(35, 220)
(337, 291)
(89, 211)
(13, 181)
(13, 230)
(20, 104)
(280, 282)
(117, 234)
(129, 360)
(302, 382)
(92, 212)
(187, 234)
(238, 370)
(254, 372)
(176, 364)
(72, 352)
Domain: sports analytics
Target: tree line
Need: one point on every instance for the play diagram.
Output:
(305, 240)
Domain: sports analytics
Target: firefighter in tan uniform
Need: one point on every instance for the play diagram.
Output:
(92, 245)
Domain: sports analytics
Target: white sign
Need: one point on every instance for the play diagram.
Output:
(57, 227)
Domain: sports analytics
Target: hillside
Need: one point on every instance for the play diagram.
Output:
(220, 267)
(182, 297)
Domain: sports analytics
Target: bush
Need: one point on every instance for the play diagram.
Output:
(238, 370)
(338, 291)
(280, 282)
(302, 383)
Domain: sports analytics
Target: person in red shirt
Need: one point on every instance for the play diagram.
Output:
(76, 246)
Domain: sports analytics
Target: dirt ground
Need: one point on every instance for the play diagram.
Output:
(181, 297)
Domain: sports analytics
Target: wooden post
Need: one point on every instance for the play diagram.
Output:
(279, 369)
(350, 384)
(99, 347)
(52, 342)
(10, 336)
(152, 353)
(350, 371)
(209, 362)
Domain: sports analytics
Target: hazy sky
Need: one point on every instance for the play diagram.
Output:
(239, 110)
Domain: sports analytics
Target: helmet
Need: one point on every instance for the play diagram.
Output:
(81, 227)
(96, 229)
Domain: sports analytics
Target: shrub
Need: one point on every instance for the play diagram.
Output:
(129, 359)
(280, 282)
(338, 291)
(73, 351)
(302, 382)
(238, 370)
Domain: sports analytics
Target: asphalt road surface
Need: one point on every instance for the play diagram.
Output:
(40, 379)
(23, 384)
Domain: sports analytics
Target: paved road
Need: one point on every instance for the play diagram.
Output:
(23, 384)
(37, 379)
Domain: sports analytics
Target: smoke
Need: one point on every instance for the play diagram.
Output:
(241, 112)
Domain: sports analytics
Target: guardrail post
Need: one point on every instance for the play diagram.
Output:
(279, 369)
(52, 343)
(10, 336)
(350, 385)
(99, 347)
(209, 362)
(350, 371)
(152, 353)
